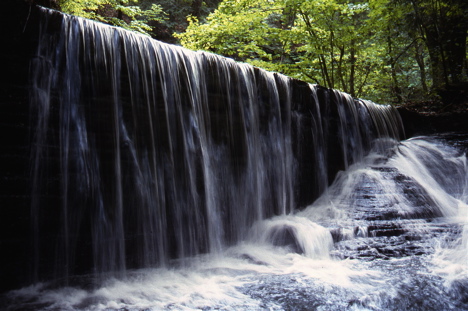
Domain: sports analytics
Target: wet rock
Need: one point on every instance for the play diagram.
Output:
(284, 236)
(386, 229)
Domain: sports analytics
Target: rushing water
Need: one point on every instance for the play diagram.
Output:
(142, 152)
(165, 179)
(389, 234)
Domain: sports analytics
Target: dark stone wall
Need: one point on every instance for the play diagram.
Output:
(417, 124)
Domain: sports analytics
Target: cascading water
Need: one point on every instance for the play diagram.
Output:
(389, 234)
(164, 153)
(165, 179)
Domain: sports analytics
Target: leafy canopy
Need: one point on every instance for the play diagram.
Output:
(378, 49)
(127, 14)
(322, 41)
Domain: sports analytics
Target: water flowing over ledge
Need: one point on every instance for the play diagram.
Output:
(142, 152)
(141, 176)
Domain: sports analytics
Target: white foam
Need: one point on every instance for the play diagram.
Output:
(296, 247)
(312, 239)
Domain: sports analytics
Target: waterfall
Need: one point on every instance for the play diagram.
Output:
(138, 175)
(142, 152)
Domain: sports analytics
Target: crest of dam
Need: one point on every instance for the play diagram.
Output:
(125, 152)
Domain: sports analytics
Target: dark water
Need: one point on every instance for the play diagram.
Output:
(164, 179)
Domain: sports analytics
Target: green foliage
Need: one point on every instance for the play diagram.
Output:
(384, 50)
(85, 8)
(371, 48)
(176, 13)
(240, 34)
(158, 18)
(317, 41)
(127, 14)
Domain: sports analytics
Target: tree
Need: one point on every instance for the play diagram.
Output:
(175, 13)
(322, 41)
(443, 26)
(402, 52)
(426, 39)
(336, 35)
(123, 13)
(382, 49)
(158, 18)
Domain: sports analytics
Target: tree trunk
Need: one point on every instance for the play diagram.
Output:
(395, 87)
(444, 29)
(352, 72)
(197, 8)
(422, 66)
